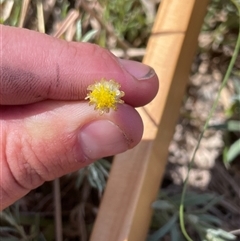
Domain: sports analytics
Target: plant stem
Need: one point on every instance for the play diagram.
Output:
(224, 82)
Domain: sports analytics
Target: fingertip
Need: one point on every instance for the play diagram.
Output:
(146, 83)
(111, 133)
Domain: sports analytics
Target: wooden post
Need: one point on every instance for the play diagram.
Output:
(125, 211)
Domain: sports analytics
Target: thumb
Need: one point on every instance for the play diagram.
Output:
(48, 139)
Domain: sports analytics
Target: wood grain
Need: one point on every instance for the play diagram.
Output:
(125, 211)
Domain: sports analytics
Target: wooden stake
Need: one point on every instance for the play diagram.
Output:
(125, 212)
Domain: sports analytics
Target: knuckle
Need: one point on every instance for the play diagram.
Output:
(99, 52)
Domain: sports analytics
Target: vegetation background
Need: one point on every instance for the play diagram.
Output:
(212, 205)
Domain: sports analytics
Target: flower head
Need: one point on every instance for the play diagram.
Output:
(105, 95)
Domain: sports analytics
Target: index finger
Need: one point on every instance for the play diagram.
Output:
(37, 67)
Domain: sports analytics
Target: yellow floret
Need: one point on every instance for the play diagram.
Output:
(105, 95)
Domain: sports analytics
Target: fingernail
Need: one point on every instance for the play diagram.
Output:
(137, 69)
(102, 138)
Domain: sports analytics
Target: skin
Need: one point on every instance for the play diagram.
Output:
(47, 129)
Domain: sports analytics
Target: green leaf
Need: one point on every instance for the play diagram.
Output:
(81, 174)
(162, 205)
(163, 230)
(7, 229)
(209, 205)
(236, 97)
(176, 233)
(193, 199)
(96, 178)
(107, 165)
(209, 219)
(9, 239)
(8, 218)
(100, 181)
(102, 168)
(41, 237)
(233, 151)
(194, 219)
(220, 233)
(79, 30)
(233, 125)
(89, 35)
(225, 161)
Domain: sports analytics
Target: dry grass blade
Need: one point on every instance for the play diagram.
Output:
(235, 232)
(130, 53)
(41, 24)
(70, 32)
(23, 14)
(5, 10)
(57, 211)
(69, 20)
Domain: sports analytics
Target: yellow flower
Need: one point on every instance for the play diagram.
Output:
(105, 95)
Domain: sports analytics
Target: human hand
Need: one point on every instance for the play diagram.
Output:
(47, 129)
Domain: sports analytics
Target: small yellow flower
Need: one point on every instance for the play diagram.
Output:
(105, 95)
